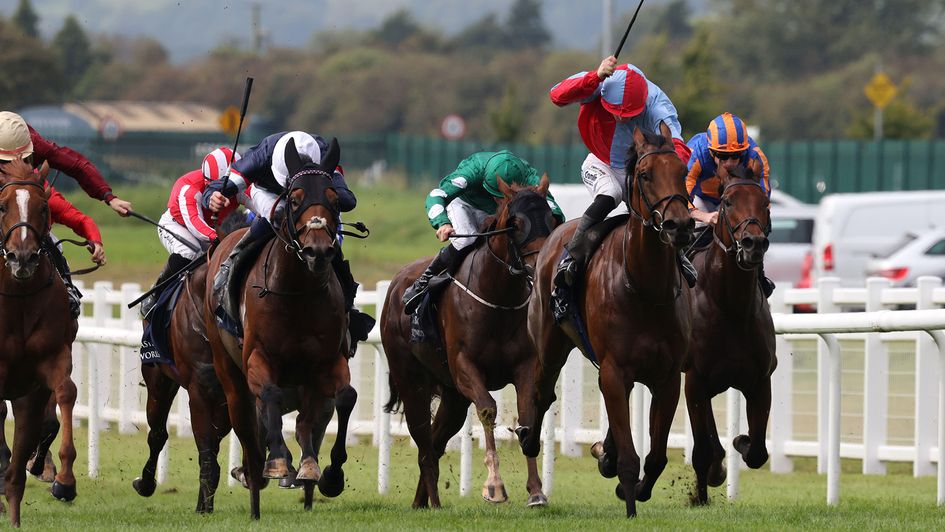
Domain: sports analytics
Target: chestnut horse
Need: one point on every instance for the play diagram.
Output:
(636, 310)
(36, 330)
(482, 318)
(193, 371)
(732, 343)
(294, 324)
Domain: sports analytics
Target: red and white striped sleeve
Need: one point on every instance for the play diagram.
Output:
(189, 203)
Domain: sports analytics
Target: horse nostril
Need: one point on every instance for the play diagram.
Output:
(308, 252)
(33, 258)
(748, 242)
(764, 244)
(670, 225)
(692, 224)
(10, 257)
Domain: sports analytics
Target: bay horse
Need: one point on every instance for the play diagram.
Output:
(36, 330)
(732, 343)
(294, 324)
(636, 310)
(192, 370)
(482, 318)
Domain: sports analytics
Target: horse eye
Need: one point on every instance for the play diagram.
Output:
(644, 175)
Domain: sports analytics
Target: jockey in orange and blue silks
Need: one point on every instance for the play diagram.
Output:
(725, 144)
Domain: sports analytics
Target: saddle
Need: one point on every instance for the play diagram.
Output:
(242, 264)
(155, 344)
(423, 327)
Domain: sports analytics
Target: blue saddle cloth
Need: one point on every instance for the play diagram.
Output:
(155, 345)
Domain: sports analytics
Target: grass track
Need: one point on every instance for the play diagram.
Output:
(581, 500)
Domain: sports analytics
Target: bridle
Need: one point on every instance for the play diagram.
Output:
(657, 216)
(40, 235)
(741, 227)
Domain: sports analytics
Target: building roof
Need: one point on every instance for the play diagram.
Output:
(130, 116)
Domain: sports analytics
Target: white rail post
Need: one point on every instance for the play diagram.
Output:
(733, 458)
(381, 379)
(233, 458)
(163, 463)
(100, 310)
(128, 363)
(383, 428)
(465, 454)
(833, 439)
(826, 287)
(572, 403)
(939, 338)
(640, 399)
(548, 450)
(926, 379)
(782, 394)
(876, 380)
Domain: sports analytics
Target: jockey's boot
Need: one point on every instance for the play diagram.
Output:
(443, 260)
(579, 248)
(62, 267)
(359, 323)
(687, 269)
(767, 285)
(258, 234)
(175, 263)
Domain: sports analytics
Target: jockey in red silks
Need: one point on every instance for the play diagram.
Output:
(614, 100)
(19, 140)
(186, 220)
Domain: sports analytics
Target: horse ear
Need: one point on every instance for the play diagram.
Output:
(331, 158)
(43, 171)
(293, 162)
(543, 185)
(638, 138)
(666, 133)
(504, 188)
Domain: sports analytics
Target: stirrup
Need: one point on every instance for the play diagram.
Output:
(412, 298)
(565, 272)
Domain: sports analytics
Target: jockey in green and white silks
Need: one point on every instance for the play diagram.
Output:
(461, 203)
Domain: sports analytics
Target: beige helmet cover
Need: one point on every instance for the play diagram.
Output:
(14, 137)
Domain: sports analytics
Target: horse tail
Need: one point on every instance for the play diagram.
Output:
(393, 404)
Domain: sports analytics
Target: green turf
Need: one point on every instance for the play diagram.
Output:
(400, 233)
(580, 500)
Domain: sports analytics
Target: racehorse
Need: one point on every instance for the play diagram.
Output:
(192, 370)
(636, 310)
(36, 330)
(482, 318)
(732, 343)
(294, 325)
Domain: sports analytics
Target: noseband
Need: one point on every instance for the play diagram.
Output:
(656, 216)
(39, 234)
(742, 227)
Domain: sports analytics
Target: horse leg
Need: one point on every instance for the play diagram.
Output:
(416, 396)
(332, 481)
(4, 450)
(554, 349)
(449, 419)
(41, 465)
(470, 383)
(758, 406)
(312, 417)
(59, 381)
(262, 384)
(700, 415)
(524, 390)
(28, 416)
(207, 437)
(662, 410)
(161, 393)
(616, 393)
(717, 472)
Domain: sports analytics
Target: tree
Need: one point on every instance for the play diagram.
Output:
(698, 98)
(483, 37)
(26, 19)
(507, 119)
(901, 120)
(75, 52)
(397, 28)
(30, 74)
(525, 28)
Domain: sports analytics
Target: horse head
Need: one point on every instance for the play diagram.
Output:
(656, 189)
(525, 212)
(24, 216)
(744, 219)
(311, 217)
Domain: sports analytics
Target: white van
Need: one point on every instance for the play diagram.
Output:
(852, 229)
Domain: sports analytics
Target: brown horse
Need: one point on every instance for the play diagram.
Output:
(636, 311)
(294, 334)
(36, 329)
(193, 371)
(732, 343)
(483, 327)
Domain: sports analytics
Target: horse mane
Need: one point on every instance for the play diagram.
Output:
(17, 168)
(743, 172)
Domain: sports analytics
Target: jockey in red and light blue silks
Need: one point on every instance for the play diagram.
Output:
(724, 146)
(614, 101)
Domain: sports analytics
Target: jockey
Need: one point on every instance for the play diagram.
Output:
(723, 146)
(265, 168)
(19, 140)
(614, 100)
(185, 220)
(463, 200)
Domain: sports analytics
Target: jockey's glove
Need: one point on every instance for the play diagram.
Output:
(225, 187)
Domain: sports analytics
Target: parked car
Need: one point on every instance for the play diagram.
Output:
(923, 254)
(792, 230)
(852, 229)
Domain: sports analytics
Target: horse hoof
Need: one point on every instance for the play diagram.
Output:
(495, 493)
(63, 492)
(536, 501)
(332, 482)
(48, 476)
(643, 494)
(522, 433)
(34, 466)
(620, 492)
(308, 470)
(239, 476)
(276, 468)
(145, 488)
(717, 474)
(742, 443)
(289, 483)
